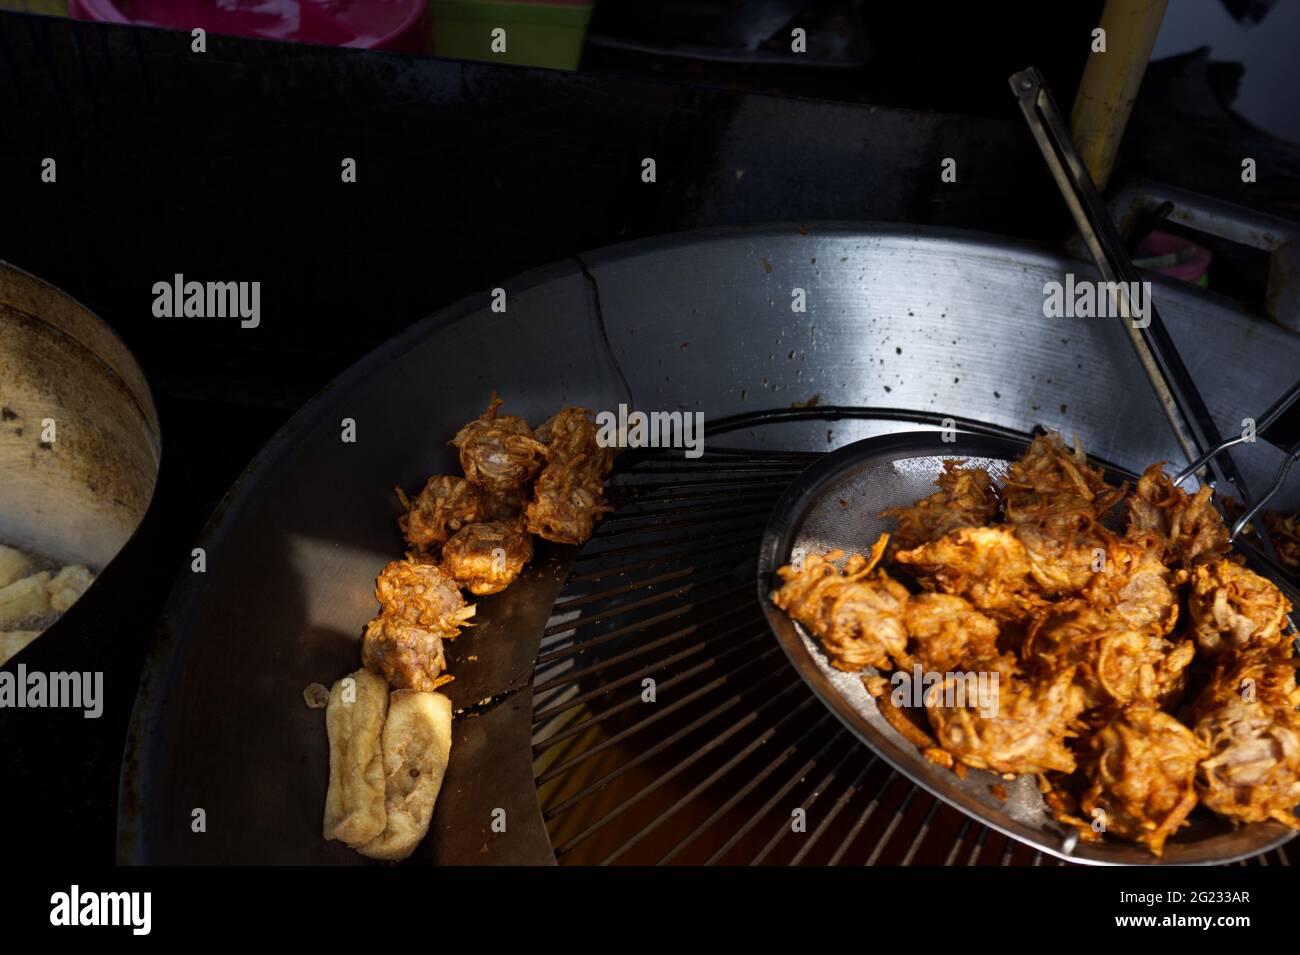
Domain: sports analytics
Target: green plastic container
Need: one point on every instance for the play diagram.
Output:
(537, 34)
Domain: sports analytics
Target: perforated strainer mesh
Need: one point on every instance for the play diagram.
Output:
(836, 505)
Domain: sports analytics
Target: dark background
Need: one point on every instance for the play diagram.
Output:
(226, 166)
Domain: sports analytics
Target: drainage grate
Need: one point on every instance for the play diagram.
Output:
(713, 770)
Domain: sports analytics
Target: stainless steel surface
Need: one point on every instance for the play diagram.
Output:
(925, 319)
(904, 318)
(79, 436)
(836, 505)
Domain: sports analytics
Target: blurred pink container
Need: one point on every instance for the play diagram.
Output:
(1174, 256)
(367, 24)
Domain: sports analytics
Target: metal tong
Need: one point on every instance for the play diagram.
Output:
(1195, 430)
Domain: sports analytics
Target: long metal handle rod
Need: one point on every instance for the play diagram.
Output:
(1190, 419)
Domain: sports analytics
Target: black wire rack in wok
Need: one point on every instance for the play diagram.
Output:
(669, 726)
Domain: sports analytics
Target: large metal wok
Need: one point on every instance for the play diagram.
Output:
(897, 317)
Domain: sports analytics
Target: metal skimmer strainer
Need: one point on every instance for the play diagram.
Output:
(835, 504)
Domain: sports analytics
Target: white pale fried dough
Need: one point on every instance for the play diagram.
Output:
(68, 585)
(417, 746)
(354, 803)
(24, 599)
(13, 565)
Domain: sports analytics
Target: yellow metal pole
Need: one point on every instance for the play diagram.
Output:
(1111, 80)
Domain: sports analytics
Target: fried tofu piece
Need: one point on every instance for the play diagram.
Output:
(67, 586)
(1141, 769)
(24, 600)
(1233, 607)
(14, 565)
(1027, 731)
(1191, 529)
(485, 558)
(856, 613)
(416, 751)
(498, 452)
(354, 720)
(988, 566)
(966, 498)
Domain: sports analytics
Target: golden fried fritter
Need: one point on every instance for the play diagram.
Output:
(409, 657)
(1054, 487)
(857, 613)
(569, 496)
(444, 506)
(422, 594)
(1268, 676)
(1115, 663)
(1135, 584)
(1062, 557)
(1026, 734)
(420, 605)
(568, 500)
(1141, 770)
(499, 452)
(1246, 717)
(948, 634)
(571, 433)
(966, 498)
(1285, 533)
(986, 565)
(1056, 502)
(1232, 606)
(486, 557)
(1188, 524)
